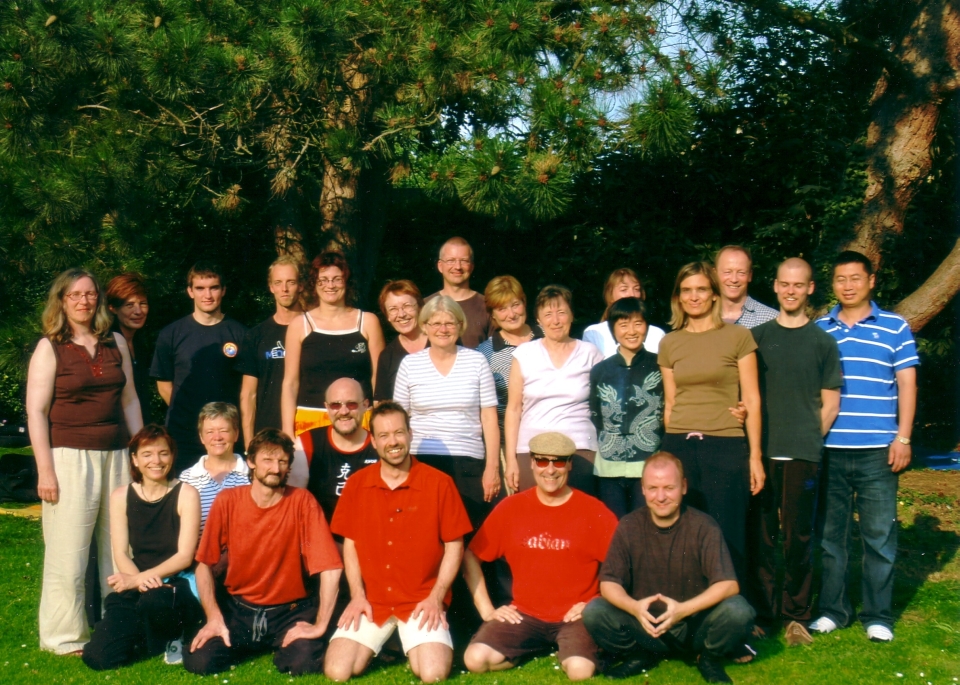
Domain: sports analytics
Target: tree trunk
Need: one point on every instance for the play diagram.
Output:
(352, 205)
(906, 112)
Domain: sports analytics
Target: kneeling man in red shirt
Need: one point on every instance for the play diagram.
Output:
(402, 524)
(552, 535)
(274, 535)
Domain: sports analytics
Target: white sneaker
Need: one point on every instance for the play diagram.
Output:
(822, 625)
(174, 652)
(878, 632)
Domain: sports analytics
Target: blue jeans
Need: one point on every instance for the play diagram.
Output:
(866, 476)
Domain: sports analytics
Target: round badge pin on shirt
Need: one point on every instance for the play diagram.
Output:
(230, 349)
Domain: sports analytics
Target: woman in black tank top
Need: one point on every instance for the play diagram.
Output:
(332, 340)
(155, 528)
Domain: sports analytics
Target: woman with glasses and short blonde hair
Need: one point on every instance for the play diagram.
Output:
(82, 408)
(449, 393)
(507, 304)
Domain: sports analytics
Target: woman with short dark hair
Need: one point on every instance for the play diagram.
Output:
(400, 302)
(155, 528)
(620, 283)
(626, 406)
(81, 409)
(549, 390)
(127, 301)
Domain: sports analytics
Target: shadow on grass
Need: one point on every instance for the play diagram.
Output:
(923, 549)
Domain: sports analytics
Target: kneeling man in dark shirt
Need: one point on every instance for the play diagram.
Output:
(668, 584)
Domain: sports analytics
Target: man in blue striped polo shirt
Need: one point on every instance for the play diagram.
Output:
(867, 447)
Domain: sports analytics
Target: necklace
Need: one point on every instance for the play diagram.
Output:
(143, 494)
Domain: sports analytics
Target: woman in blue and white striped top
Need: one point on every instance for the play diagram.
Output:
(220, 468)
(449, 392)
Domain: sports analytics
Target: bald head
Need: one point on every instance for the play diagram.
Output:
(793, 286)
(794, 269)
(455, 242)
(344, 390)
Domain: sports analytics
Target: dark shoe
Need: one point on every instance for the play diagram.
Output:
(711, 669)
(634, 664)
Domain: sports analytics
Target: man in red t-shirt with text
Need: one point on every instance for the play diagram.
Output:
(554, 539)
(275, 535)
(402, 524)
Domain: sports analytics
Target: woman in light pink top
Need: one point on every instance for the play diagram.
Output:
(549, 390)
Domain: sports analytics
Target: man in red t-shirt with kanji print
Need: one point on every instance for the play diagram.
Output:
(402, 524)
(275, 535)
(554, 539)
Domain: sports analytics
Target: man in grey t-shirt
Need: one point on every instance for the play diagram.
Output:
(800, 381)
(455, 263)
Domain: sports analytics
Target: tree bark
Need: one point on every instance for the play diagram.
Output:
(929, 299)
(906, 112)
(352, 205)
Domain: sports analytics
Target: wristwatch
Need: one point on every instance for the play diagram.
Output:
(902, 440)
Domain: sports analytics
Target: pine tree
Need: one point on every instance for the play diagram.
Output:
(277, 109)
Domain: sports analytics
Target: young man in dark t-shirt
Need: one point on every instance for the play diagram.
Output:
(194, 361)
(800, 381)
(344, 447)
(668, 583)
(455, 263)
(262, 354)
(548, 531)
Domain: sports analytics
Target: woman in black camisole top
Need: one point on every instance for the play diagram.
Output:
(332, 340)
(155, 528)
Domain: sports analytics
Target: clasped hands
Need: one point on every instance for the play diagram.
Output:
(658, 626)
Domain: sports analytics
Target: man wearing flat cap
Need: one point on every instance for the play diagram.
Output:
(554, 539)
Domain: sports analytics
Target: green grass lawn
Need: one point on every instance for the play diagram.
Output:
(926, 649)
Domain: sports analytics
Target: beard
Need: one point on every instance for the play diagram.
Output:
(273, 482)
(339, 430)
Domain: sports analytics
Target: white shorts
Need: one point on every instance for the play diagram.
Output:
(372, 636)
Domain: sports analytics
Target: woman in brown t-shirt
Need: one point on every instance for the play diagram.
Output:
(82, 408)
(707, 367)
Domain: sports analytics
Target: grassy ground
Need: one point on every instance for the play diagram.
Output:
(926, 650)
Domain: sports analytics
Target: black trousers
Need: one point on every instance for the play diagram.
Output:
(715, 631)
(718, 483)
(788, 505)
(621, 494)
(255, 629)
(137, 625)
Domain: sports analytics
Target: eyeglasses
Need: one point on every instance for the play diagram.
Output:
(442, 325)
(76, 296)
(456, 262)
(323, 282)
(129, 306)
(559, 462)
(351, 406)
(408, 308)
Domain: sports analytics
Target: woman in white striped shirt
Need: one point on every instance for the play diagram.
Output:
(220, 468)
(448, 391)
